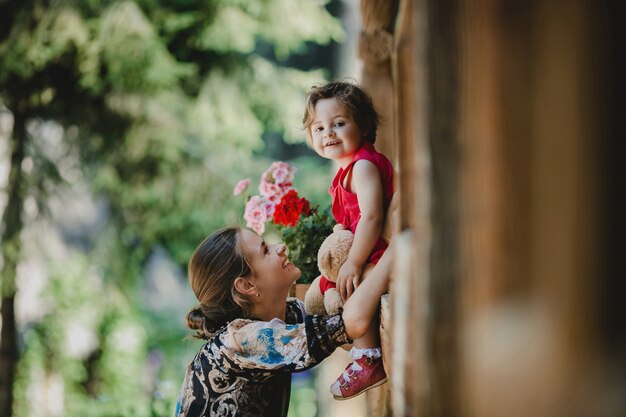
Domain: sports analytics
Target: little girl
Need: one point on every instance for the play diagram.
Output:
(341, 123)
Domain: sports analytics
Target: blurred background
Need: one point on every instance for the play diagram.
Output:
(124, 126)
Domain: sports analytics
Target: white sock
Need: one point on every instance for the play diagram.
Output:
(358, 353)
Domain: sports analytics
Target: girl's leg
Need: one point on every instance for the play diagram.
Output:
(371, 339)
(369, 344)
(366, 371)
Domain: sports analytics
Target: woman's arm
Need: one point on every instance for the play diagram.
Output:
(274, 347)
(359, 309)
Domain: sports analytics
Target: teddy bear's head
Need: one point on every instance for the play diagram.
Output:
(333, 253)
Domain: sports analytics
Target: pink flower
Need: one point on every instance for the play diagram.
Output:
(255, 214)
(241, 186)
(269, 207)
(278, 173)
(270, 190)
(282, 172)
(257, 227)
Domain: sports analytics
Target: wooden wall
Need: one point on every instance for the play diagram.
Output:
(534, 99)
(509, 132)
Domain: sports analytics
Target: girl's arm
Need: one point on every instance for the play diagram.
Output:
(367, 186)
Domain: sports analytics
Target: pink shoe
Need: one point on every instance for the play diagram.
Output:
(362, 374)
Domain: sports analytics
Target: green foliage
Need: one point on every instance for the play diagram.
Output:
(313, 178)
(304, 396)
(90, 347)
(306, 237)
(243, 23)
(127, 49)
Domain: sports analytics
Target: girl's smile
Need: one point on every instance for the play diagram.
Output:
(335, 134)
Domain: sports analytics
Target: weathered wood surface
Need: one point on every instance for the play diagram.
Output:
(532, 211)
(506, 210)
(410, 376)
(379, 399)
(374, 50)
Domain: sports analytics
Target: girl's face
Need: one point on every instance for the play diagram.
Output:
(334, 132)
(272, 271)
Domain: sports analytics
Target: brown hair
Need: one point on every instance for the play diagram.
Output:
(213, 268)
(356, 100)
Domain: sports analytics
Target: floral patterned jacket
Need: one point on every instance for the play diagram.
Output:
(245, 368)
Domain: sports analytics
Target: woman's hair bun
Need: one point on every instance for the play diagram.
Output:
(196, 320)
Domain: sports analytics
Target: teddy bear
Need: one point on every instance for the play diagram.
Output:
(331, 255)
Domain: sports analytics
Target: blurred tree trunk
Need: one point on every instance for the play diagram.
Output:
(11, 253)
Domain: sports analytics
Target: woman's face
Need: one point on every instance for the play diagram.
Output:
(271, 269)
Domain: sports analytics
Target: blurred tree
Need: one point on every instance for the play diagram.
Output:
(159, 101)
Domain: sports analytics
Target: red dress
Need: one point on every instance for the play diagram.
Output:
(345, 206)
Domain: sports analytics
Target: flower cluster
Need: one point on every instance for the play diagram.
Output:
(276, 182)
(303, 228)
(287, 212)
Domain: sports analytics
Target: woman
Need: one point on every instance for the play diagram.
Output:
(256, 337)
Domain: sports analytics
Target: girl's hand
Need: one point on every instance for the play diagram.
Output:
(348, 278)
